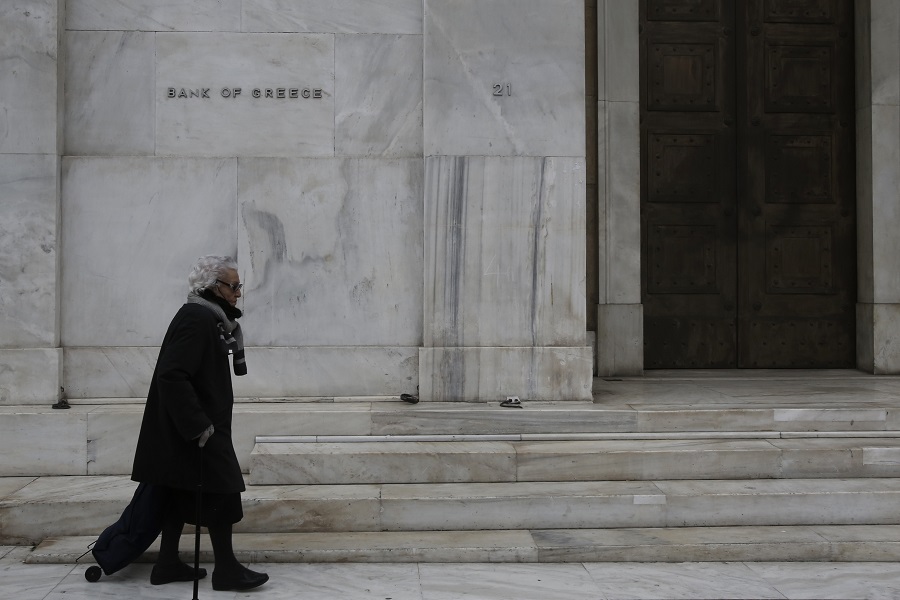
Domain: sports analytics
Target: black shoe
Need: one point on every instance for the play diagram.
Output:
(245, 579)
(162, 574)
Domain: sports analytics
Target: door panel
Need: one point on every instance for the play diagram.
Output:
(797, 255)
(688, 226)
(747, 196)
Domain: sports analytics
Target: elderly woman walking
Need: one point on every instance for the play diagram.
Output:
(189, 405)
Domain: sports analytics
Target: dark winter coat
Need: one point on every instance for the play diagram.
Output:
(191, 389)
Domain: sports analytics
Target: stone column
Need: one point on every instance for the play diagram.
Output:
(30, 97)
(620, 317)
(878, 185)
(504, 135)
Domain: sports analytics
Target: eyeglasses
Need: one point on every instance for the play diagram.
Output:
(234, 287)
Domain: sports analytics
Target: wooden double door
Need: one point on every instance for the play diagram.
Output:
(748, 219)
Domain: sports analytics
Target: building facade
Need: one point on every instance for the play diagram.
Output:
(443, 195)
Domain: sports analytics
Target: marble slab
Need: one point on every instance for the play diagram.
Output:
(846, 457)
(30, 376)
(693, 418)
(28, 82)
(382, 462)
(29, 246)
(131, 220)
(311, 508)
(51, 506)
(391, 546)
(319, 581)
(37, 582)
(537, 505)
(504, 78)
(760, 543)
(620, 252)
(289, 67)
(10, 485)
(110, 371)
(109, 103)
(112, 435)
(378, 95)
(886, 317)
(504, 251)
(798, 419)
(332, 253)
(338, 16)
(62, 445)
(352, 418)
(621, 41)
(491, 374)
(670, 582)
(519, 582)
(490, 418)
(274, 372)
(781, 502)
(677, 544)
(825, 581)
(619, 339)
(643, 460)
(154, 15)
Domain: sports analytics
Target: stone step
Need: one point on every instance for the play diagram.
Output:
(879, 543)
(312, 463)
(34, 509)
(98, 438)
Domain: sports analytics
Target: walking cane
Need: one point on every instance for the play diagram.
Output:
(197, 526)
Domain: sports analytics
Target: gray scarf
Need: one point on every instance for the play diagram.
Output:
(229, 333)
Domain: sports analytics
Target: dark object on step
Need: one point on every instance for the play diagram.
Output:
(409, 398)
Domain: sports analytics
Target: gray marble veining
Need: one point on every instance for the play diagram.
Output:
(165, 15)
(504, 78)
(671, 581)
(29, 247)
(497, 279)
(28, 81)
(378, 95)
(109, 103)
(129, 219)
(306, 224)
(337, 16)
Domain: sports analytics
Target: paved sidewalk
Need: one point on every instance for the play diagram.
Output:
(478, 581)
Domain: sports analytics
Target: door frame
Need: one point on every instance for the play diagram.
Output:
(620, 336)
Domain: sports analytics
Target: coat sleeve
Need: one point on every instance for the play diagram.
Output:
(179, 362)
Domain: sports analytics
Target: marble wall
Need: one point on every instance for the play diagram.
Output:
(30, 360)
(878, 185)
(310, 139)
(288, 134)
(504, 135)
(620, 318)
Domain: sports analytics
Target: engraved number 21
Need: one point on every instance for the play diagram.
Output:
(500, 88)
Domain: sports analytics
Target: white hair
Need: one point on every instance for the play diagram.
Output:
(207, 269)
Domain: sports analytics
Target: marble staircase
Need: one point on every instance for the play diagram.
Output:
(763, 469)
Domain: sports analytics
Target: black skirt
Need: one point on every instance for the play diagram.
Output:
(215, 509)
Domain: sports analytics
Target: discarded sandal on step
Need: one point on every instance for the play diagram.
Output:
(511, 403)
